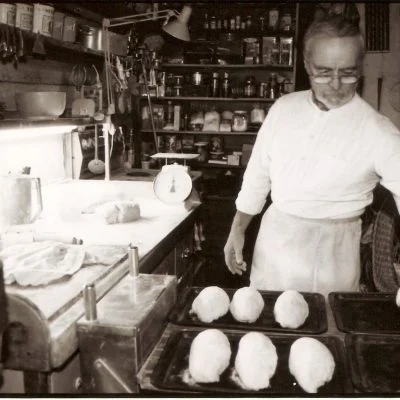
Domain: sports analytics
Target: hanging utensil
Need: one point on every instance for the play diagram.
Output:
(20, 46)
(96, 166)
(38, 50)
(98, 115)
(78, 76)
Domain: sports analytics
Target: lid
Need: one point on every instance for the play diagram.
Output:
(240, 112)
(215, 75)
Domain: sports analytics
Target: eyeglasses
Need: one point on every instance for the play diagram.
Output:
(344, 79)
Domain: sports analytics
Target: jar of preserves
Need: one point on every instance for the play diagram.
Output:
(249, 89)
(240, 121)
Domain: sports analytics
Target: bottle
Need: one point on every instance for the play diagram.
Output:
(273, 19)
(272, 89)
(249, 89)
(170, 113)
(206, 24)
(215, 85)
(226, 89)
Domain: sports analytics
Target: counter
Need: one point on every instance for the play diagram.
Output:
(49, 313)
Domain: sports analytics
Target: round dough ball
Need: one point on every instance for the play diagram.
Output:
(256, 360)
(311, 363)
(291, 310)
(210, 353)
(210, 304)
(246, 305)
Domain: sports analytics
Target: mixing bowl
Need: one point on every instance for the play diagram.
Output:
(40, 105)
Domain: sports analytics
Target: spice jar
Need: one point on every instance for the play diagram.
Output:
(249, 89)
(257, 114)
(239, 121)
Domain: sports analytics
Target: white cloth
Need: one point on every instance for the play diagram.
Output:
(305, 254)
(321, 164)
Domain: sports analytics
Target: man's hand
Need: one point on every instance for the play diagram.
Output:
(234, 252)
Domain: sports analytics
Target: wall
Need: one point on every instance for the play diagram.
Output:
(386, 65)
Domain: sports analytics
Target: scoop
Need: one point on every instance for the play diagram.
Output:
(96, 166)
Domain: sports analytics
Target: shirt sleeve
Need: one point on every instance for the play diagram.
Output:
(256, 182)
(387, 160)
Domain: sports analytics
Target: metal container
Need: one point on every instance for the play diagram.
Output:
(43, 19)
(90, 37)
(197, 78)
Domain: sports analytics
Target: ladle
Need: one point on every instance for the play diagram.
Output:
(96, 166)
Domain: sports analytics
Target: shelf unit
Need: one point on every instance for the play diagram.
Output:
(275, 67)
(171, 132)
(207, 98)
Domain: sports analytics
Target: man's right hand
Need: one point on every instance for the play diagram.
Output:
(234, 252)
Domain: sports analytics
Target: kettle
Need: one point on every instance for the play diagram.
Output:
(20, 200)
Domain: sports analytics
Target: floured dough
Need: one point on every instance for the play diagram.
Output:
(210, 353)
(210, 304)
(118, 212)
(246, 305)
(311, 363)
(256, 360)
(291, 309)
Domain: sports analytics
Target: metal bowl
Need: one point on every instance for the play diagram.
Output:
(40, 105)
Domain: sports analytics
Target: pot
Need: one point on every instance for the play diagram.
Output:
(20, 200)
(90, 37)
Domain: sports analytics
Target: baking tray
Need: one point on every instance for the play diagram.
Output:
(172, 370)
(316, 321)
(365, 312)
(374, 362)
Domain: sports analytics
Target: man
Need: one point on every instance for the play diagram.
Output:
(320, 152)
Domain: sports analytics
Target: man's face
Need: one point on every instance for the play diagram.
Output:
(335, 58)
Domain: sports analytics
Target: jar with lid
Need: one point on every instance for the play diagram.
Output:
(273, 19)
(286, 22)
(240, 121)
(226, 88)
(249, 89)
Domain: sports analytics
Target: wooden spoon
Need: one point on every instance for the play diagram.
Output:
(96, 166)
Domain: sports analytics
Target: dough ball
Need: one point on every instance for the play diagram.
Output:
(256, 360)
(246, 305)
(311, 363)
(291, 310)
(210, 304)
(119, 212)
(210, 353)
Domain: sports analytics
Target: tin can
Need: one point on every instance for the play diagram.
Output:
(7, 13)
(273, 19)
(69, 29)
(43, 19)
(58, 25)
(24, 16)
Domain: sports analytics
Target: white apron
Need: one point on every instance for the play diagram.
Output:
(306, 254)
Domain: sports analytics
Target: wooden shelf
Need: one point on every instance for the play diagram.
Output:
(230, 66)
(196, 165)
(198, 98)
(200, 132)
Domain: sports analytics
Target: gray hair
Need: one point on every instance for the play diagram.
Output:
(336, 26)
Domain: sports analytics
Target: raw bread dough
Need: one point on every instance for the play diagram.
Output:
(311, 363)
(118, 212)
(210, 353)
(246, 305)
(291, 309)
(210, 304)
(256, 360)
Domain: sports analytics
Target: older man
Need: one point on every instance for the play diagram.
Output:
(320, 152)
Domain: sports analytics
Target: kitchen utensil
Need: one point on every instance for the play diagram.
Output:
(20, 46)
(20, 200)
(315, 323)
(366, 312)
(99, 115)
(374, 362)
(96, 166)
(81, 106)
(171, 371)
(38, 49)
(40, 105)
(78, 76)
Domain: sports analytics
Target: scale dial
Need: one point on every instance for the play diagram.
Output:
(173, 184)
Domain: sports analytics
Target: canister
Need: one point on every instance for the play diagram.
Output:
(239, 121)
(69, 29)
(24, 16)
(43, 19)
(58, 25)
(7, 13)
(90, 37)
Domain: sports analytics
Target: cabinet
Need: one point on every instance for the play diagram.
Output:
(242, 43)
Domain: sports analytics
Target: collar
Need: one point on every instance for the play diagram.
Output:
(318, 103)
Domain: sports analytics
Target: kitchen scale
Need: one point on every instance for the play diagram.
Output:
(173, 184)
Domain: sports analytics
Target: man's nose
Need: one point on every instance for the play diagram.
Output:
(335, 82)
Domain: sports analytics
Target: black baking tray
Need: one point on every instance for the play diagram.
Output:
(316, 321)
(365, 312)
(374, 362)
(171, 373)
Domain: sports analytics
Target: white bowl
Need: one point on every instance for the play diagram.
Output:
(40, 105)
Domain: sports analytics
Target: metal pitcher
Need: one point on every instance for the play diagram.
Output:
(20, 200)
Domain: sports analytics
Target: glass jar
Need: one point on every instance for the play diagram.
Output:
(249, 89)
(226, 89)
(257, 114)
(240, 121)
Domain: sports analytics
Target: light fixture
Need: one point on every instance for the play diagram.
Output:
(177, 28)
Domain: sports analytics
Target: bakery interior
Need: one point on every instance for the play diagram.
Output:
(105, 103)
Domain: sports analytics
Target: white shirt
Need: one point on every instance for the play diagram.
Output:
(321, 164)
